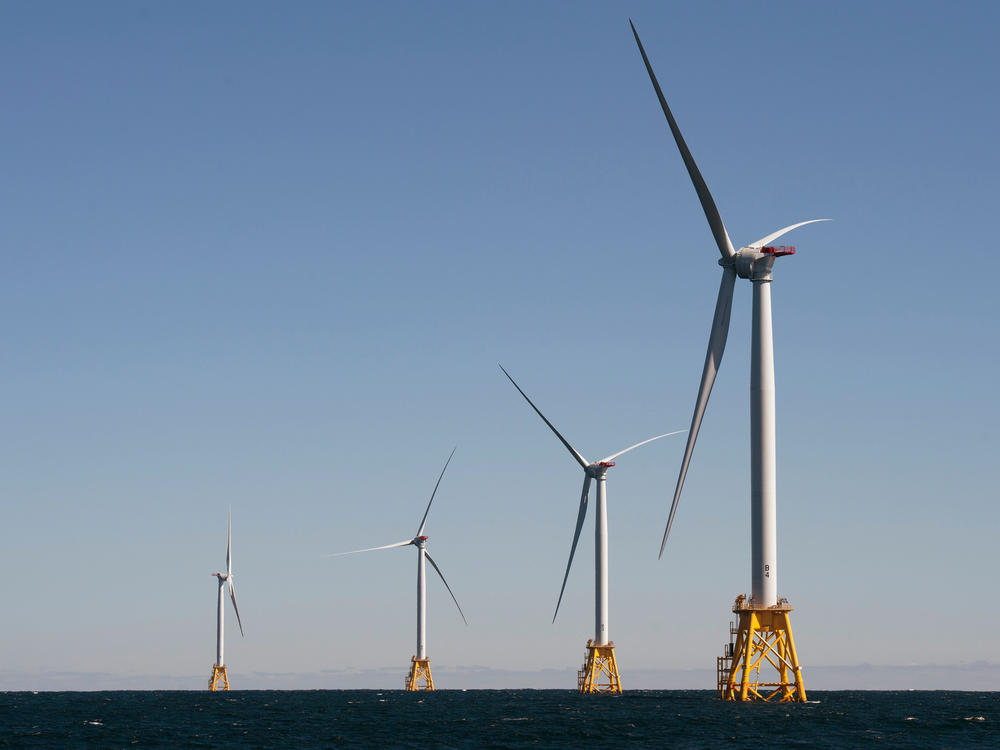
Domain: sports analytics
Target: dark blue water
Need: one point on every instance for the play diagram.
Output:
(495, 719)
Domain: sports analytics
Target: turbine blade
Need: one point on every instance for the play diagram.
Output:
(424, 519)
(580, 516)
(434, 565)
(707, 203)
(369, 549)
(713, 358)
(775, 235)
(229, 544)
(232, 595)
(570, 448)
(613, 456)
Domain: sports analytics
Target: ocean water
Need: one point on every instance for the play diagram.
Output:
(495, 719)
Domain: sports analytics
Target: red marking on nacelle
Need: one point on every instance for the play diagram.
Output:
(423, 538)
(777, 252)
(606, 464)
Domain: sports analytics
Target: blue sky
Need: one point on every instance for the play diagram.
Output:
(269, 256)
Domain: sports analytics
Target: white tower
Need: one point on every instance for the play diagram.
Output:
(219, 679)
(764, 633)
(600, 670)
(419, 677)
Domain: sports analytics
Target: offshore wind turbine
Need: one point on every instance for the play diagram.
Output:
(764, 634)
(219, 679)
(419, 677)
(600, 672)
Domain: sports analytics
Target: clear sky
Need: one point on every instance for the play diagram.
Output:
(269, 254)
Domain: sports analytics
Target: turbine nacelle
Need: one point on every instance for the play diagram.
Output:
(753, 264)
(227, 577)
(598, 468)
(756, 263)
(419, 541)
(591, 470)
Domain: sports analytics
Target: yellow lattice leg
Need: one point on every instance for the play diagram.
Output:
(419, 677)
(219, 680)
(600, 671)
(763, 641)
(793, 659)
(748, 652)
(782, 649)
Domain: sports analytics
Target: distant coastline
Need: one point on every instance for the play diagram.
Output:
(979, 676)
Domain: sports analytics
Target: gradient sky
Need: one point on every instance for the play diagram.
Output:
(268, 255)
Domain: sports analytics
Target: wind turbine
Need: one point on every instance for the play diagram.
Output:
(764, 634)
(600, 672)
(219, 679)
(419, 677)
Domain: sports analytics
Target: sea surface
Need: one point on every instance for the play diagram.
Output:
(495, 719)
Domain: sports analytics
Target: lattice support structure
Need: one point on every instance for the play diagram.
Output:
(599, 673)
(419, 677)
(219, 680)
(763, 641)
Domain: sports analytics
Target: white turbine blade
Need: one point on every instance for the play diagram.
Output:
(570, 448)
(424, 519)
(707, 203)
(369, 549)
(434, 565)
(713, 358)
(775, 235)
(613, 456)
(232, 595)
(229, 544)
(580, 516)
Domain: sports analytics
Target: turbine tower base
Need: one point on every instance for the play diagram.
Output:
(419, 677)
(763, 639)
(219, 680)
(599, 674)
